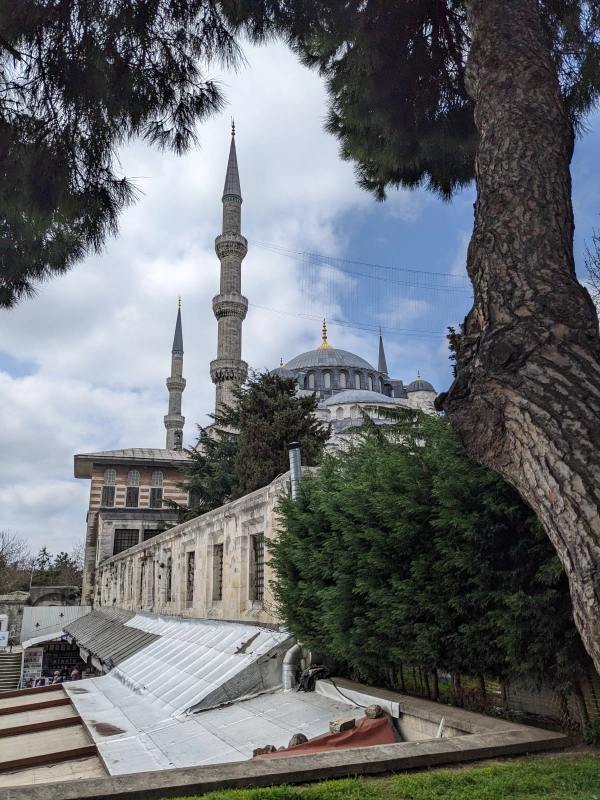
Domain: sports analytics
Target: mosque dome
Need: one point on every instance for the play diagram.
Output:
(420, 385)
(283, 372)
(357, 396)
(328, 358)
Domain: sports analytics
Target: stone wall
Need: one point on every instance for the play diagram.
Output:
(204, 568)
(13, 605)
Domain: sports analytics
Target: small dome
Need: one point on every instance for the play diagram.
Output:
(328, 357)
(420, 386)
(282, 372)
(357, 396)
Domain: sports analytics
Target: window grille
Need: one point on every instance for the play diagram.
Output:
(169, 582)
(218, 572)
(108, 496)
(340, 413)
(157, 478)
(257, 567)
(357, 381)
(110, 477)
(191, 568)
(342, 380)
(156, 498)
(311, 380)
(124, 539)
(133, 478)
(193, 500)
(132, 497)
(150, 533)
(327, 380)
(354, 412)
(370, 383)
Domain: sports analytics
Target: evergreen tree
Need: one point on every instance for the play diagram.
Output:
(247, 446)
(77, 81)
(434, 93)
(404, 551)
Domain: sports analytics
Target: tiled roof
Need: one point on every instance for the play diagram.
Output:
(137, 454)
(328, 358)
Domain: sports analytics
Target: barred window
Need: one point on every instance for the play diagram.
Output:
(150, 533)
(157, 478)
(110, 477)
(133, 478)
(218, 572)
(169, 582)
(156, 498)
(343, 380)
(257, 567)
(354, 413)
(124, 539)
(327, 378)
(108, 496)
(132, 498)
(190, 572)
(311, 380)
(356, 381)
(340, 413)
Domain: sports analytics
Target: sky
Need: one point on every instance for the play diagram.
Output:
(83, 365)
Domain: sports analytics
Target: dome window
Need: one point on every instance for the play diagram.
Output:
(380, 386)
(340, 413)
(311, 380)
(343, 380)
(354, 412)
(327, 379)
(370, 383)
(356, 380)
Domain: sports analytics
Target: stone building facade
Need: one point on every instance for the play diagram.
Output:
(127, 490)
(212, 567)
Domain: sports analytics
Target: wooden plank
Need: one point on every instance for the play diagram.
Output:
(57, 687)
(49, 758)
(59, 701)
(32, 727)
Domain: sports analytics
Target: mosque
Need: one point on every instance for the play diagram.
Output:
(128, 486)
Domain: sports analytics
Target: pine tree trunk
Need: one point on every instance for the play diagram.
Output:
(526, 398)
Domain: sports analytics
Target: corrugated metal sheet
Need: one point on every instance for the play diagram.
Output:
(51, 620)
(197, 663)
(103, 633)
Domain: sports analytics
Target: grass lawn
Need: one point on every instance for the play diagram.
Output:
(566, 777)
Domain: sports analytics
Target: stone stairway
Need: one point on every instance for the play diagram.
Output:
(10, 671)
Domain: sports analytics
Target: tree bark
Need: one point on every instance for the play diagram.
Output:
(526, 398)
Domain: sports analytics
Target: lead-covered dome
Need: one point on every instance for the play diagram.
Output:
(420, 386)
(329, 357)
(356, 396)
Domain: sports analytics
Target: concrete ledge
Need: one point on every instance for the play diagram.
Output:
(296, 769)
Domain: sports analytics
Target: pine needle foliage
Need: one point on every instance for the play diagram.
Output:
(404, 551)
(246, 448)
(395, 77)
(78, 80)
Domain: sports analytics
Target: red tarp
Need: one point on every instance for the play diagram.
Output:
(367, 733)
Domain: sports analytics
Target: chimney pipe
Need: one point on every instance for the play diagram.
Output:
(295, 466)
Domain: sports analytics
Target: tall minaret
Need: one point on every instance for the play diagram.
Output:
(174, 422)
(228, 370)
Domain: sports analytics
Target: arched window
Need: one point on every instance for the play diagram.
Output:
(380, 386)
(356, 380)
(108, 490)
(157, 478)
(340, 413)
(311, 380)
(110, 477)
(327, 378)
(342, 380)
(370, 383)
(354, 412)
(133, 478)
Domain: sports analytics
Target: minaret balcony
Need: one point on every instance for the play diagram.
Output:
(228, 369)
(230, 305)
(231, 244)
(174, 421)
(176, 384)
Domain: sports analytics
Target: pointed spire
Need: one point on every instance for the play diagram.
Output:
(382, 364)
(232, 178)
(324, 344)
(178, 338)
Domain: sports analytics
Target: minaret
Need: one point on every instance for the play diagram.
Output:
(174, 422)
(230, 306)
(382, 364)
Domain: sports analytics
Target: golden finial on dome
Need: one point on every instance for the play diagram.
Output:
(324, 344)
(281, 363)
(418, 375)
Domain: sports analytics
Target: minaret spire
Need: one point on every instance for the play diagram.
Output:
(174, 422)
(230, 306)
(382, 364)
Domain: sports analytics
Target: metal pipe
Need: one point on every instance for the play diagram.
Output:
(295, 466)
(290, 665)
